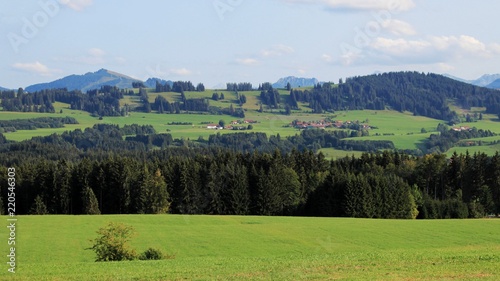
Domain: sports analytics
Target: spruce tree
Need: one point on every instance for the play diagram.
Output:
(38, 207)
(213, 203)
(90, 204)
(158, 197)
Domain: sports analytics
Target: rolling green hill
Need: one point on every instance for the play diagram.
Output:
(262, 248)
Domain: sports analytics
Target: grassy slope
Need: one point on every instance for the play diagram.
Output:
(264, 248)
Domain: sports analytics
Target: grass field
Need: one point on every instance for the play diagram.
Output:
(262, 248)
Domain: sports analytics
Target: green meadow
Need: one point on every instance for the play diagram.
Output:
(261, 248)
(403, 129)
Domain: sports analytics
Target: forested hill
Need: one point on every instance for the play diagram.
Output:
(423, 94)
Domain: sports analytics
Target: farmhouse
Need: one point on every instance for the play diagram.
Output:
(214, 127)
(462, 128)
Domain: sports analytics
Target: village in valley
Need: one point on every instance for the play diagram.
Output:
(326, 123)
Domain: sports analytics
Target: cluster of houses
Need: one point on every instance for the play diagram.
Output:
(234, 125)
(322, 124)
(462, 128)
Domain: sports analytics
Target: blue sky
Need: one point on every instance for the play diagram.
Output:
(219, 41)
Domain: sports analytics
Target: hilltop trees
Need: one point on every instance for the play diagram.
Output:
(182, 86)
(421, 94)
(239, 87)
(200, 87)
(270, 97)
(162, 87)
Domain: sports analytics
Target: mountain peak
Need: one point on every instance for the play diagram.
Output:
(295, 82)
(486, 79)
(87, 81)
(494, 85)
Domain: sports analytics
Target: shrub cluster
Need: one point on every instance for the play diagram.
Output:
(112, 245)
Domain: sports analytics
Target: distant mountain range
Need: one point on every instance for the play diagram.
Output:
(295, 82)
(488, 80)
(3, 89)
(88, 81)
(94, 80)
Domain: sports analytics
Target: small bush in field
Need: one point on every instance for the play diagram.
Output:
(112, 243)
(152, 254)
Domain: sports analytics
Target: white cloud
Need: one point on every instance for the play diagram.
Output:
(435, 49)
(393, 5)
(247, 61)
(36, 68)
(77, 5)
(350, 58)
(471, 44)
(463, 45)
(398, 27)
(327, 58)
(96, 52)
(180, 71)
(277, 50)
(399, 47)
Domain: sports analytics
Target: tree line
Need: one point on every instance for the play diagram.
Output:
(239, 87)
(447, 138)
(35, 123)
